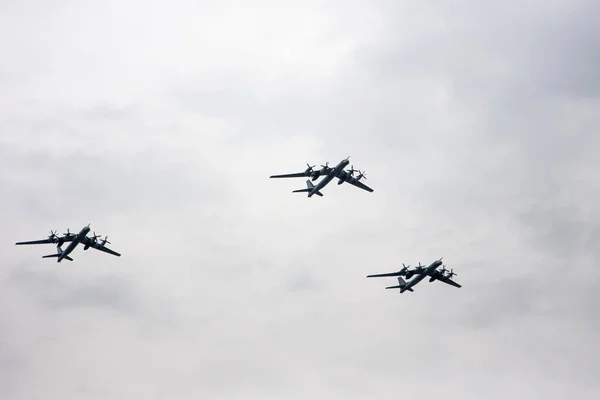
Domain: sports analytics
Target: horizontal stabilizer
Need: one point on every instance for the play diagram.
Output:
(399, 287)
(309, 188)
(402, 285)
(56, 255)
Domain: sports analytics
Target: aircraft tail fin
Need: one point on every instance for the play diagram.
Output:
(309, 188)
(57, 254)
(401, 285)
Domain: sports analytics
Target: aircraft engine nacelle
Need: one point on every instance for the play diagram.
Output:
(432, 279)
(87, 246)
(341, 181)
(409, 274)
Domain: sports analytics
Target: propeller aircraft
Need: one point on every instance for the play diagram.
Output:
(421, 273)
(328, 174)
(73, 240)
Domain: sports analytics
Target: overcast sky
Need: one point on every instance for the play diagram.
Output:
(160, 122)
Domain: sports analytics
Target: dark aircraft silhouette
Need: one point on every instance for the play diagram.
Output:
(422, 272)
(73, 240)
(328, 174)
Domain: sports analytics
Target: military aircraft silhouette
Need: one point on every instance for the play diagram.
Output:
(328, 174)
(73, 240)
(422, 272)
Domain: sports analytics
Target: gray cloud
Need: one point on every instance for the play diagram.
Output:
(53, 292)
(564, 232)
(475, 123)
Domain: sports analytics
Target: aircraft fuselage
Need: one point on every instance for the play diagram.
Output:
(76, 240)
(425, 272)
(329, 176)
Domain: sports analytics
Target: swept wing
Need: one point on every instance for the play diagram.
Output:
(359, 184)
(47, 241)
(449, 281)
(296, 175)
(100, 247)
(387, 274)
(439, 276)
(353, 181)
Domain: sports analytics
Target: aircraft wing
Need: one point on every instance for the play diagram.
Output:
(449, 281)
(381, 275)
(358, 184)
(46, 241)
(296, 175)
(105, 249)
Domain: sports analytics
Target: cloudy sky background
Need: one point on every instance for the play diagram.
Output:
(160, 122)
